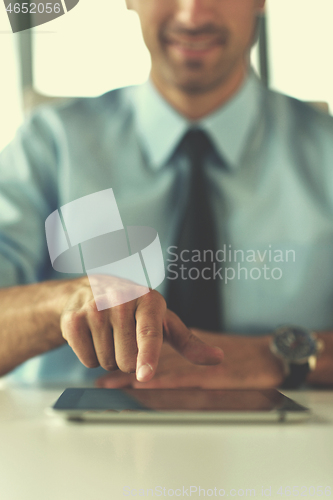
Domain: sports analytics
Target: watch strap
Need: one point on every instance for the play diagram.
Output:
(296, 376)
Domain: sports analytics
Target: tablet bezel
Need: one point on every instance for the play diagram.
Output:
(65, 408)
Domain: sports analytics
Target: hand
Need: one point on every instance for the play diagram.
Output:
(127, 336)
(248, 364)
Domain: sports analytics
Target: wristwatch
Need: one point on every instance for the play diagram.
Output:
(298, 349)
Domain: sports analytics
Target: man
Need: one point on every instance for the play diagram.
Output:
(266, 185)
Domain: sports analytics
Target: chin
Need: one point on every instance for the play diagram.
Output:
(196, 86)
(197, 78)
(192, 88)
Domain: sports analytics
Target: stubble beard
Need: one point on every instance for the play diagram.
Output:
(192, 78)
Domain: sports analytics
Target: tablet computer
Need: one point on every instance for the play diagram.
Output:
(138, 405)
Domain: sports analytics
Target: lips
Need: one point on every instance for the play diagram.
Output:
(194, 45)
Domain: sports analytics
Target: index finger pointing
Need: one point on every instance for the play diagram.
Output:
(149, 334)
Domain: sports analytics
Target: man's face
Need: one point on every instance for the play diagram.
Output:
(196, 45)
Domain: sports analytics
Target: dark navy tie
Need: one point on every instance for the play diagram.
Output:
(197, 301)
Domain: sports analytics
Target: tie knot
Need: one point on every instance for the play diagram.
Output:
(196, 144)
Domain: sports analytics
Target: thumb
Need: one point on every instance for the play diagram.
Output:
(188, 344)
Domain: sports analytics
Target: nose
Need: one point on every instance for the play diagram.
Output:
(195, 13)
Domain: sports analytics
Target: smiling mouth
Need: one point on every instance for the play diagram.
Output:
(194, 46)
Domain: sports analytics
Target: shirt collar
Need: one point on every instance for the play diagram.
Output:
(161, 127)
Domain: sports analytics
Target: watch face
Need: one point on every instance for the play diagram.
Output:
(295, 344)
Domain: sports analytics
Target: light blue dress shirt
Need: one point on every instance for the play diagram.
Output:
(271, 183)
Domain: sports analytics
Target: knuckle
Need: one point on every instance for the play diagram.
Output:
(155, 297)
(72, 319)
(147, 332)
(96, 317)
(71, 327)
(149, 297)
(90, 308)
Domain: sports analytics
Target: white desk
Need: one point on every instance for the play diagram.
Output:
(46, 459)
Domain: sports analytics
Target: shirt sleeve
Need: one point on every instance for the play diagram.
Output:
(28, 194)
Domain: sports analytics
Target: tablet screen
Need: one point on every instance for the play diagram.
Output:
(175, 400)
